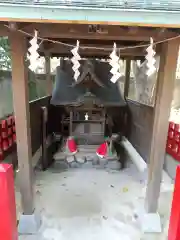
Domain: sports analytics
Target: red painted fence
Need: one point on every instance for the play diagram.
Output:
(173, 141)
(7, 135)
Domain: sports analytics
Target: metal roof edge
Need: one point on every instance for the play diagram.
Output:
(39, 13)
(86, 8)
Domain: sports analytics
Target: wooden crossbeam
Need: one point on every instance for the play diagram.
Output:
(61, 50)
(4, 31)
(107, 32)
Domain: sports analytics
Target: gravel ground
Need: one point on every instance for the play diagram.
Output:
(93, 203)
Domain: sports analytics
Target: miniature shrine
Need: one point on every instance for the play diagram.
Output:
(88, 103)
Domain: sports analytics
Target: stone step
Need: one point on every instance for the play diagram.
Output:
(89, 155)
(88, 151)
(87, 148)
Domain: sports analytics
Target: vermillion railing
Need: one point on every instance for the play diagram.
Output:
(7, 136)
(173, 141)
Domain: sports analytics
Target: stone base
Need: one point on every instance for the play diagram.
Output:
(149, 222)
(70, 159)
(29, 224)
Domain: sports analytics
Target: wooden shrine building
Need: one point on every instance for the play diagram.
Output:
(127, 24)
(92, 95)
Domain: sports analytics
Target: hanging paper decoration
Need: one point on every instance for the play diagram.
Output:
(33, 55)
(114, 62)
(75, 60)
(150, 59)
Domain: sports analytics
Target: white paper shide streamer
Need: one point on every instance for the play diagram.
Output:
(114, 62)
(75, 60)
(33, 55)
(150, 59)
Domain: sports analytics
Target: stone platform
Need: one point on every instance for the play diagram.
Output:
(85, 153)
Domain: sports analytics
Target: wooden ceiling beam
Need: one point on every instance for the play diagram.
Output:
(13, 26)
(4, 31)
(141, 58)
(78, 31)
(60, 50)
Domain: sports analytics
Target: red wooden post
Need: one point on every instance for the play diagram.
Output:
(174, 225)
(8, 228)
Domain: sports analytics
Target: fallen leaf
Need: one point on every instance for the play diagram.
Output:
(125, 189)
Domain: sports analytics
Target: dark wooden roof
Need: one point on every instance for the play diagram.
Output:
(65, 93)
(88, 70)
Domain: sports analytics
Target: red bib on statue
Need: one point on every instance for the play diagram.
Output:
(71, 145)
(102, 150)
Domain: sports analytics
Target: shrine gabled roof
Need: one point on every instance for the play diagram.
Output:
(159, 13)
(65, 93)
(88, 69)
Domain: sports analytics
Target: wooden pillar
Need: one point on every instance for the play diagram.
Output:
(44, 119)
(127, 77)
(166, 77)
(71, 123)
(48, 74)
(22, 119)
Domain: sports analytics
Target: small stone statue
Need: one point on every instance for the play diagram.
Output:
(86, 117)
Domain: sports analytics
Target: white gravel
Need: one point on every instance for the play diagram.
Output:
(94, 203)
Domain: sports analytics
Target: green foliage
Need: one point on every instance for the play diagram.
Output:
(5, 56)
(37, 88)
(32, 91)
